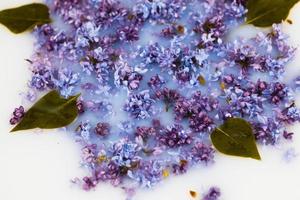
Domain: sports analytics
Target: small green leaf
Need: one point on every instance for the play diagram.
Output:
(51, 111)
(25, 17)
(235, 137)
(264, 13)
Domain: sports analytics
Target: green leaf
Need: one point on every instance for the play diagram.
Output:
(51, 111)
(264, 13)
(25, 17)
(235, 137)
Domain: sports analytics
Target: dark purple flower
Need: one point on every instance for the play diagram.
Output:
(173, 30)
(200, 121)
(182, 108)
(156, 82)
(145, 132)
(129, 33)
(102, 129)
(168, 96)
(174, 136)
(260, 87)
(278, 92)
(89, 183)
(213, 194)
(288, 135)
(80, 106)
(181, 167)
(108, 171)
(18, 114)
(196, 111)
(110, 12)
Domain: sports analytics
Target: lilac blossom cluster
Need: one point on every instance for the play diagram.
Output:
(17, 115)
(100, 48)
(213, 194)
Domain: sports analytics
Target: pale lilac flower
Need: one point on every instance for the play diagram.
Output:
(140, 105)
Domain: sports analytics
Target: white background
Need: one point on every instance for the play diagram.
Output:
(39, 166)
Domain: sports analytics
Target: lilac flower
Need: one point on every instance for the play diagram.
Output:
(145, 132)
(129, 33)
(165, 11)
(102, 72)
(127, 126)
(125, 76)
(174, 136)
(279, 39)
(195, 109)
(202, 153)
(102, 129)
(88, 183)
(73, 12)
(236, 8)
(151, 53)
(200, 121)
(288, 135)
(149, 174)
(172, 31)
(109, 12)
(211, 31)
(181, 167)
(278, 92)
(101, 107)
(182, 67)
(244, 56)
(156, 82)
(42, 80)
(182, 108)
(228, 79)
(125, 153)
(206, 103)
(80, 106)
(84, 130)
(260, 87)
(267, 133)
(65, 81)
(37, 82)
(141, 11)
(18, 114)
(87, 33)
(89, 153)
(289, 115)
(108, 171)
(140, 105)
(168, 96)
(213, 194)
